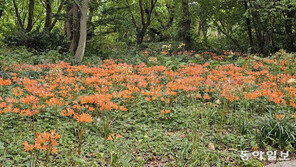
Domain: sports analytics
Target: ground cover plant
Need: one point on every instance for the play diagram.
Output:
(113, 113)
(147, 82)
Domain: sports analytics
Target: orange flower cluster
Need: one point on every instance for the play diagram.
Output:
(44, 141)
(113, 84)
(165, 111)
(114, 136)
(84, 117)
(83, 92)
(5, 82)
(280, 116)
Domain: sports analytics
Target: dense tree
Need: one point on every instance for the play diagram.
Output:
(146, 9)
(82, 29)
(186, 24)
(1, 8)
(245, 25)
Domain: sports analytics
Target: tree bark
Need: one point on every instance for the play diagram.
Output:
(75, 29)
(19, 20)
(145, 21)
(1, 10)
(83, 32)
(289, 33)
(31, 15)
(48, 17)
(158, 33)
(248, 23)
(186, 25)
(68, 21)
(53, 23)
(272, 32)
(235, 42)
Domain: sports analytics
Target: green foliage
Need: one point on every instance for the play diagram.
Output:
(38, 40)
(10, 56)
(277, 131)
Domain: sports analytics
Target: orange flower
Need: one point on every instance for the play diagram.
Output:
(147, 99)
(54, 102)
(27, 146)
(206, 97)
(46, 141)
(2, 104)
(17, 91)
(294, 115)
(114, 136)
(146, 53)
(54, 150)
(165, 111)
(280, 116)
(5, 82)
(67, 112)
(84, 117)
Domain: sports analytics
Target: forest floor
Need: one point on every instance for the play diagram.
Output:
(171, 110)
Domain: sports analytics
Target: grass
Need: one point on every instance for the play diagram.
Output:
(168, 113)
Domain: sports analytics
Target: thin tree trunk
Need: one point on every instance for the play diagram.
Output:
(141, 35)
(68, 21)
(157, 32)
(75, 29)
(259, 34)
(235, 42)
(248, 23)
(31, 15)
(83, 32)
(145, 24)
(289, 33)
(48, 17)
(20, 22)
(1, 11)
(272, 32)
(56, 19)
(186, 25)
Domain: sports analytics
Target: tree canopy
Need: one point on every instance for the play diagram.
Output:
(243, 25)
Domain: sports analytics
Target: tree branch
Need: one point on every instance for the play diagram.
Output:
(78, 5)
(133, 18)
(43, 4)
(226, 34)
(142, 12)
(58, 12)
(18, 15)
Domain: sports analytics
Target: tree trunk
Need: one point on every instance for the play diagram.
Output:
(158, 33)
(223, 31)
(48, 18)
(83, 32)
(140, 36)
(1, 10)
(288, 27)
(259, 31)
(31, 15)
(272, 33)
(68, 21)
(186, 25)
(19, 20)
(75, 28)
(248, 23)
(145, 21)
(51, 23)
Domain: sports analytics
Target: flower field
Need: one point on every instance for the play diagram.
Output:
(118, 114)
